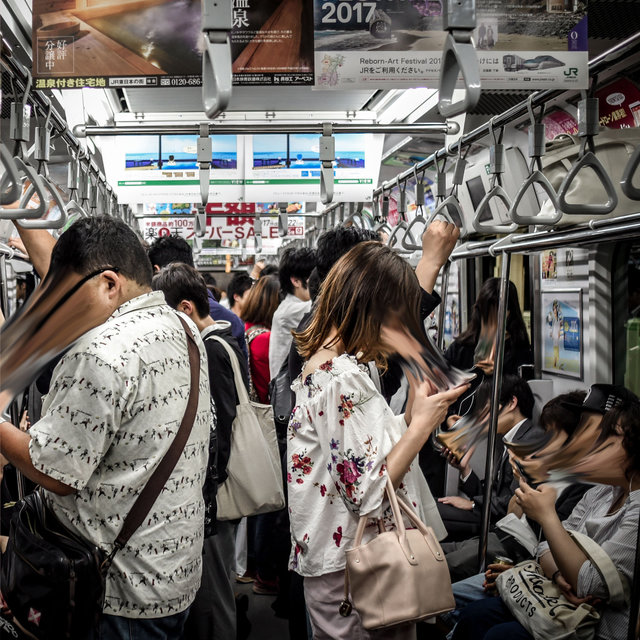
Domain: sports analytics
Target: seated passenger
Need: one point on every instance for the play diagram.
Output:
(462, 517)
(462, 557)
(608, 514)
(344, 441)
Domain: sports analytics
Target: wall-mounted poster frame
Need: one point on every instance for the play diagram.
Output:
(562, 335)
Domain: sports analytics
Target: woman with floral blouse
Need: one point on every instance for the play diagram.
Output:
(344, 441)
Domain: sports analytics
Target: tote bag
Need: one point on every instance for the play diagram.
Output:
(254, 470)
(540, 606)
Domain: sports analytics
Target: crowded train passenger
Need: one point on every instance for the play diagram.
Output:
(295, 268)
(462, 557)
(170, 249)
(126, 376)
(213, 614)
(474, 346)
(462, 517)
(340, 411)
(260, 305)
(607, 513)
(237, 291)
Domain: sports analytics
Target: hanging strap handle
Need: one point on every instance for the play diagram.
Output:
(159, 477)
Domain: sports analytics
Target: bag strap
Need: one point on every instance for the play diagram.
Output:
(617, 585)
(159, 477)
(241, 390)
(254, 332)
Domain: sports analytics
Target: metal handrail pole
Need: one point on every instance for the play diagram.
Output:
(496, 388)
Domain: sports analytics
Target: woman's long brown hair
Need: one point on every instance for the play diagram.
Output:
(370, 286)
(262, 301)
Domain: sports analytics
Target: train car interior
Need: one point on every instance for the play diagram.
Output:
(208, 121)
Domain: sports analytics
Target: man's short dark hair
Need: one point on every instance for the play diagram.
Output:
(93, 243)
(179, 281)
(555, 415)
(240, 283)
(296, 263)
(170, 249)
(269, 270)
(514, 386)
(332, 245)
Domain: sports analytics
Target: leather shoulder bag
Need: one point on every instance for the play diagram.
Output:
(53, 580)
(400, 576)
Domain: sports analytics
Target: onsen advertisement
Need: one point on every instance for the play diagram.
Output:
(390, 44)
(159, 43)
(562, 332)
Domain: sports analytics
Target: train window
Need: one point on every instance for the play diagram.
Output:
(476, 193)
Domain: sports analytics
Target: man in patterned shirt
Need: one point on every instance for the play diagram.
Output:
(116, 401)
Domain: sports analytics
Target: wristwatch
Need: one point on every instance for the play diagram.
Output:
(473, 505)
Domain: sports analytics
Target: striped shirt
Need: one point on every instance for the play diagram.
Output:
(616, 534)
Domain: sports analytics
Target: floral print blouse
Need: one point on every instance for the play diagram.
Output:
(340, 433)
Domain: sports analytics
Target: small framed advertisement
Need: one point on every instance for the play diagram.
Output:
(562, 332)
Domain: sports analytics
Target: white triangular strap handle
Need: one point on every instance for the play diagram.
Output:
(589, 159)
(633, 193)
(241, 390)
(617, 585)
(487, 227)
(536, 177)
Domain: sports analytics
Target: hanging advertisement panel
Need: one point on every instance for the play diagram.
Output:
(159, 43)
(398, 44)
(287, 166)
(225, 234)
(165, 168)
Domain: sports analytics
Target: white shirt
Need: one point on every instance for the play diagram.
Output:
(116, 401)
(340, 433)
(286, 318)
(617, 535)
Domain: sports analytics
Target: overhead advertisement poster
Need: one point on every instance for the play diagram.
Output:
(398, 44)
(225, 234)
(159, 43)
(165, 168)
(287, 167)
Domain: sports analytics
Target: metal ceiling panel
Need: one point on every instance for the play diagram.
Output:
(248, 99)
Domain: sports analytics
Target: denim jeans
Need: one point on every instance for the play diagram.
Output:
(465, 592)
(118, 628)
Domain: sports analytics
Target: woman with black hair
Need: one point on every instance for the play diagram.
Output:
(475, 346)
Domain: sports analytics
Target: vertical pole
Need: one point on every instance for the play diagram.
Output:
(495, 408)
(4, 285)
(635, 594)
(442, 313)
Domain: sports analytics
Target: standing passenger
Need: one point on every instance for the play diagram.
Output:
(237, 292)
(296, 266)
(170, 249)
(213, 614)
(116, 399)
(344, 441)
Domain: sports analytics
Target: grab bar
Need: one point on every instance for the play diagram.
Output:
(204, 155)
(327, 157)
(217, 66)
(588, 127)
(459, 55)
(12, 192)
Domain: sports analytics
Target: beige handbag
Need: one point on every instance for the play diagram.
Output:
(254, 469)
(400, 576)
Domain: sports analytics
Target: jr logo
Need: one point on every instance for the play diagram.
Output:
(571, 72)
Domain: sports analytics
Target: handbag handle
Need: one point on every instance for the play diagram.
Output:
(241, 390)
(159, 477)
(398, 505)
(617, 586)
